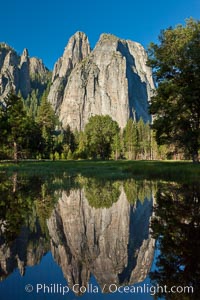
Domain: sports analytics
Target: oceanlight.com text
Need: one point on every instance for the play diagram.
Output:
(57, 288)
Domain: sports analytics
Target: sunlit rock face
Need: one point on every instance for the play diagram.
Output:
(9, 71)
(38, 72)
(17, 73)
(77, 49)
(113, 79)
(24, 78)
(113, 244)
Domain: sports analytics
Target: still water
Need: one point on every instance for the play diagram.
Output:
(77, 237)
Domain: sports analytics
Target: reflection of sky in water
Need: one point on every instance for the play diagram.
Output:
(48, 272)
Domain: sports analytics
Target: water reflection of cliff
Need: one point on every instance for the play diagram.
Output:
(91, 227)
(26, 250)
(112, 243)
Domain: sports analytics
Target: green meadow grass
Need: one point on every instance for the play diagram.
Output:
(163, 170)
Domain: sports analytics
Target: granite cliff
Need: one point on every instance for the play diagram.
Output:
(77, 49)
(26, 250)
(20, 73)
(112, 79)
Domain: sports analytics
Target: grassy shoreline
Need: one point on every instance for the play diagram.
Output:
(166, 170)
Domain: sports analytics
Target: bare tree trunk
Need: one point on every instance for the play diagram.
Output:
(116, 154)
(14, 179)
(15, 155)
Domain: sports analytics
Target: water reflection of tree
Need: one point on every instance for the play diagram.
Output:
(28, 201)
(16, 203)
(21, 240)
(177, 227)
(100, 193)
(103, 193)
(44, 205)
(138, 189)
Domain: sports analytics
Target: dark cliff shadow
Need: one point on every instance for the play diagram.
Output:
(137, 90)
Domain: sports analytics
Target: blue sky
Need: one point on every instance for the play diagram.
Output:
(45, 26)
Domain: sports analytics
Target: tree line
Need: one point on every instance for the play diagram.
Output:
(41, 136)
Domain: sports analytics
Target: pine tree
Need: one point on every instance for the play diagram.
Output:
(81, 142)
(117, 145)
(47, 121)
(144, 139)
(131, 139)
(17, 129)
(100, 132)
